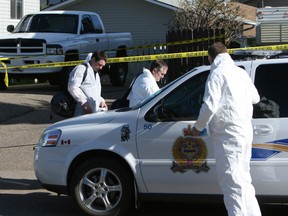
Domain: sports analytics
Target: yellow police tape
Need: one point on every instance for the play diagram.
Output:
(149, 57)
(6, 80)
(138, 47)
(172, 43)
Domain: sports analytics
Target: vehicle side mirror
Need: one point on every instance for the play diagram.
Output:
(10, 28)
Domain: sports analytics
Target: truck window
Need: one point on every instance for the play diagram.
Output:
(23, 24)
(59, 23)
(97, 24)
(87, 25)
(184, 102)
(271, 83)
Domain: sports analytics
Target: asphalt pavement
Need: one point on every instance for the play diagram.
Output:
(24, 113)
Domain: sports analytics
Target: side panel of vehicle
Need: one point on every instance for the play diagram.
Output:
(76, 146)
(270, 144)
(169, 156)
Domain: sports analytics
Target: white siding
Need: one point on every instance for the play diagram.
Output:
(4, 14)
(29, 6)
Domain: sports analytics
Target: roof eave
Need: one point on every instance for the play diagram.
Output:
(55, 7)
(162, 4)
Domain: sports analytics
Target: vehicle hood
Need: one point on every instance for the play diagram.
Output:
(49, 37)
(95, 118)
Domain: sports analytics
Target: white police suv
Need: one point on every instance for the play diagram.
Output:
(108, 161)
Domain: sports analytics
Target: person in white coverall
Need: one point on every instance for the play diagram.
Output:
(227, 108)
(87, 92)
(146, 83)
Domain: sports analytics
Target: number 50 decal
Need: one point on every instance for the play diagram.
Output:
(147, 126)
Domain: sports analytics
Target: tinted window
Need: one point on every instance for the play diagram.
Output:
(22, 26)
(96, 24)
(59, 23)
(91, 24)
(271, 82)
(87, 25)
(183, 103)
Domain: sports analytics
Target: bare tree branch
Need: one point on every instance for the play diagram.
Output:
(209, 14)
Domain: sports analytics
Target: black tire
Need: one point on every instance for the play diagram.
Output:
(118, 74)
(102, 187)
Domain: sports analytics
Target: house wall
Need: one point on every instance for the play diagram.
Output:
(145, 21)
(265, 3)
(272, 25)
(30, 6)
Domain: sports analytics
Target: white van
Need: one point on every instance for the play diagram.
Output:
(108, 160)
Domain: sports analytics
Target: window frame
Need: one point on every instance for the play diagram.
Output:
(16, 9)
(167, 111)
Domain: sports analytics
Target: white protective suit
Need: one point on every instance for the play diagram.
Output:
(228, 106)
(144, 86)
(89, 90)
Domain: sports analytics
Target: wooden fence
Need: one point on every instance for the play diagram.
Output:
(177, 67)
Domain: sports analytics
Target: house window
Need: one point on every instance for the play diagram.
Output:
(16, 9)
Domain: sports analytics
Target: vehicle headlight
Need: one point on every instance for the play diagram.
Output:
(50, 138)
(54, 50)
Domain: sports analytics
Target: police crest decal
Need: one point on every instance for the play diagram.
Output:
(189, 153)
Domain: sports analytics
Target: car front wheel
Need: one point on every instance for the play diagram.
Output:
(102, 186)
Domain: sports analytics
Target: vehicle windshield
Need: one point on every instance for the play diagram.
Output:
(161, 90)
(59, 23)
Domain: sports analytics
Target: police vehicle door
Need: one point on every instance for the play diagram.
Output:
(270, 143)
(171, 160)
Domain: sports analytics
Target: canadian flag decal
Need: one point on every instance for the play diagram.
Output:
(63, 142)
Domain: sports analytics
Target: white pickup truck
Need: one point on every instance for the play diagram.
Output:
(60, 36)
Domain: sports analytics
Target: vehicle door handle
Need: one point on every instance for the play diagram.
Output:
(262, 129)
(97, 39)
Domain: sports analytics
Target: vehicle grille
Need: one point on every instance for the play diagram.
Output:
(22, 46)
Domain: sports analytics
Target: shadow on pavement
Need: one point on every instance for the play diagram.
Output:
(19, 184)
(32, 200)
(35, 204)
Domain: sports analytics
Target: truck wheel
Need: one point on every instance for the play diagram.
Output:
(102, 186)
(118, 74)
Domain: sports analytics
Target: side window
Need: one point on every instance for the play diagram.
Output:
(23, 24)
(87, 25)
(96, 24)
(271, 83)
(183, 103)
